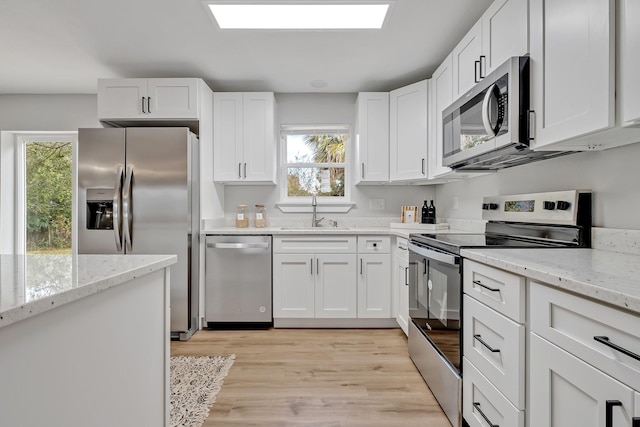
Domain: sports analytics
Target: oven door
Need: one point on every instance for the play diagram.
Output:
(435, 299)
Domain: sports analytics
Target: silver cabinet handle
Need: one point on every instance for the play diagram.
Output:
(143, 112)
(362, 171)
(484, 343)
(311, 263)
(406, 276)
(239, 170)
(479, 283)
(318, 266)
(423, 166)
(476, 71)
(117, 220)
(483, 66)
(532, 125)
(238, 245)
(477, 406)
(361, 266)
(127, 211)
(148, 104)
(245, 170)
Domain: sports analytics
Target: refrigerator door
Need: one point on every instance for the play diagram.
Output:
(101, 160)
(157, 215)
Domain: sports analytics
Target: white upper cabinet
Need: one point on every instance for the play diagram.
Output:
(441, 96)
(244, 137)
(501, 33)
(408, 132)
(505, 32)
(372, 138)
(466, 60)
(630, 61)
(131, 99)
(573, 76)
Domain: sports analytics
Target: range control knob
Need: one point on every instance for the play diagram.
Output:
(485, 206)
(562, 205)
(549, 206)
(493, 206)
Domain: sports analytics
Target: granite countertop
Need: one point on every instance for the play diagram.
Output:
(608, 277)
(33, 284)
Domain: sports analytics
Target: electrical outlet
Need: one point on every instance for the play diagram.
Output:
(376, 204)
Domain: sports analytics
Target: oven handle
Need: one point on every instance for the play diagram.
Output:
(434, 255)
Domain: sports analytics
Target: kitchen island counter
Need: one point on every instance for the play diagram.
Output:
(84, 340)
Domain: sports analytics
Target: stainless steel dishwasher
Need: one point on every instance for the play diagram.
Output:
(238, 281)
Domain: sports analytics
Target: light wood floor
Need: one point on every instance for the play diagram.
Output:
(317, 377)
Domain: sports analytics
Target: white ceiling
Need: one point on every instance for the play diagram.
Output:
(63, 46)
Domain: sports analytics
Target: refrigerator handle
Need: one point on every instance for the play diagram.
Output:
(127, 209)
(117, 220)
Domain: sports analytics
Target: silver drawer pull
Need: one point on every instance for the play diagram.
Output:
(238, 245)
(477, 406)
(484, 343)
(479, 283)
(605, 341)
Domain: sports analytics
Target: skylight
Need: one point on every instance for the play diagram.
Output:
(295, 16)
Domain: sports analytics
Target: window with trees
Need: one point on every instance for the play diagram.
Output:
(314, 161)
(47, 194)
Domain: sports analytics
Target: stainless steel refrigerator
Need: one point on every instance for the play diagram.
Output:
(138, 194)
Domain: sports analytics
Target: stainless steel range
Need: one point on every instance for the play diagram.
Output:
(543, 220)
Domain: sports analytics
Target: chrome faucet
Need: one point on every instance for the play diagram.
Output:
(314, 220)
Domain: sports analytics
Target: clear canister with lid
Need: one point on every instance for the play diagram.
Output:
(242, 220)
(260, 220)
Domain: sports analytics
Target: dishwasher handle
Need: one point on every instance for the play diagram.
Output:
(238, 245)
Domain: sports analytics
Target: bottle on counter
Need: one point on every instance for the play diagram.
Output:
(425, 213)
(260, 219)
(242, 221)
(431, 213)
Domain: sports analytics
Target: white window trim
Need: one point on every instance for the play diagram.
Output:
(325, 204)
(13, 144)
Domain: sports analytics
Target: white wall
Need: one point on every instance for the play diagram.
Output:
(336, 108)
(48, 112)
(613, 176)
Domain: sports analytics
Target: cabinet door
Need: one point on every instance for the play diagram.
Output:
(505, 32)
(293, 285)
(335, 292)
(227, 137)
(408, 132)
(374, 286)
(466, 61)
(565, 391)
(372, 137)
(402, 276)
(259, 137)
(122, 98)
(572, 68)
(630, 61)
(172, 98)
(441, 97)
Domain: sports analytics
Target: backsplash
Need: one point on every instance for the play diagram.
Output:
(616, 240)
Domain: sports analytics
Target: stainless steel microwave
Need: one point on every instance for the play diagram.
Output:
(488, 127)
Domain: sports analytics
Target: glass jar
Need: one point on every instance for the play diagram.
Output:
(242, 221)
(260, 220)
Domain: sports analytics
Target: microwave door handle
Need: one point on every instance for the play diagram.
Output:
(117, 207)
(486, 104)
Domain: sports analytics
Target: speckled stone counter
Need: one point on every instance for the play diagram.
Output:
(34, 284)
(608, 277)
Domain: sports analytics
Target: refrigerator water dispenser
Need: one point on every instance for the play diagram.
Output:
(100, 208)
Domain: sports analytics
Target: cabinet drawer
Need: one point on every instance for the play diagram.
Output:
(486, 330)
(573, 323)
(480, 398)
(373, 244)
(499, 289)
(309, 245)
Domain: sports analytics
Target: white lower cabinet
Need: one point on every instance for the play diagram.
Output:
(565, 391)
(374, 290)
(484, 405)
(401, 277)
(314, 286)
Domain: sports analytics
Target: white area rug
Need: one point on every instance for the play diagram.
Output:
(194, 384)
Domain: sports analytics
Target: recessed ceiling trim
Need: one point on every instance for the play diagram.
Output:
(297, 15)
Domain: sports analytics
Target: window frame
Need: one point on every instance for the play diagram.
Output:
(20, 191)
(328, 204)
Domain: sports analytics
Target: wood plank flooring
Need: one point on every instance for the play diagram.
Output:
(317, 377)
